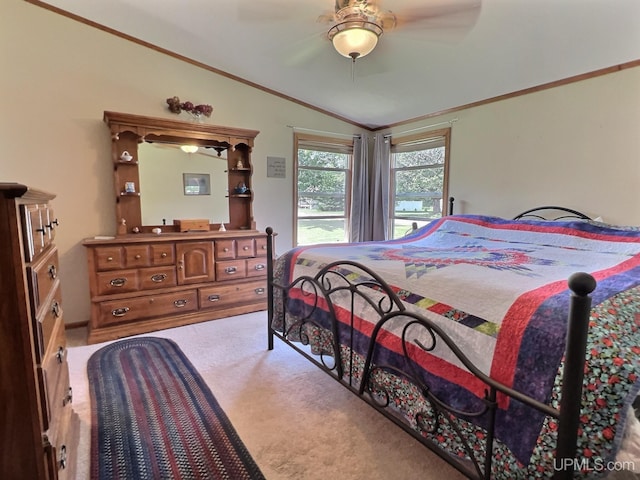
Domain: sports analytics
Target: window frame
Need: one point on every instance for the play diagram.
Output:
(332, 144)
(405, 144)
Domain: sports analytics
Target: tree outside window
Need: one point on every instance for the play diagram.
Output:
(419, 179)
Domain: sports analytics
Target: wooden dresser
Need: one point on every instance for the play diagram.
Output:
(39, 428)
(146, 282)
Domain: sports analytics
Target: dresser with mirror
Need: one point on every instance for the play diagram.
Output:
(186, 248)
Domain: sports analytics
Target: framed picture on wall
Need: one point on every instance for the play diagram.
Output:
(196, 183)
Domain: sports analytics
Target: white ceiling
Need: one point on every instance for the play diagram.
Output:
(451, 59)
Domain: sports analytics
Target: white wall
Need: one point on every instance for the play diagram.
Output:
(575, 145)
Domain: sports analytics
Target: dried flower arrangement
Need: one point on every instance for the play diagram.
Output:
(197, 110)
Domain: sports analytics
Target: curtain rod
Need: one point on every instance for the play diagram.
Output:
(357, 135)
(448, 122)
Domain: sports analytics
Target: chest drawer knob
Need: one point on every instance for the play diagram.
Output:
(213, 298)
(245, 248)
(118, 282)
(53, 273)
(158, 277)
(55, 308)
(138, 257)
(180, 303)
(63, 457)
(109, 259)
(119, 312)
(260, 266)
(259, 291)
(163, 255)
(60, 354)
(230, 270)
(68, 398)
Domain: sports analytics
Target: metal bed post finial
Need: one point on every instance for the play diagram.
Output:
(581, 285)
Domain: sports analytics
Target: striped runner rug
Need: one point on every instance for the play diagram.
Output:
(154, 417)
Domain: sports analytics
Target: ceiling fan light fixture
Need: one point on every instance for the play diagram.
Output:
(355, 38)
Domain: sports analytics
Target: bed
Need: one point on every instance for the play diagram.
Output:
(510, 347)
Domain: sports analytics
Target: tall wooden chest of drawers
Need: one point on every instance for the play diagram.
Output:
(39, 428)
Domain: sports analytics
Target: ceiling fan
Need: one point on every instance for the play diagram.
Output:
(358, 24)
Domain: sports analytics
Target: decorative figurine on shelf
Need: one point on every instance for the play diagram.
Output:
(156, 230)
(126, 156)
(241, 188)
(222, 228)
(239, 164)
(136, 230)
(122, 227)
(130, 187)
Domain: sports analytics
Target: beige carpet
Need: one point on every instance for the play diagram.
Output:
(296, 421)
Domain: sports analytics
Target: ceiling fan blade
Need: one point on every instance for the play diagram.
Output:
(460, 14)
(269, 10)
(304, 51)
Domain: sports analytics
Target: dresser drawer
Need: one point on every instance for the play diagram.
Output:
(54, 361)
(33, 230)
(163, 254)
(45, 324)
(137, 256)
(222, 296)
(43, 276)
(157, 277)
(130, 309)
(246, 248)
(230, 270)
(257, 267)
(225, 249)
(109, 258)
(61, 435)
(261, 246)
(122, 281)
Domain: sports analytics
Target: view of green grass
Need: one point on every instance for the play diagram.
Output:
(332, 230)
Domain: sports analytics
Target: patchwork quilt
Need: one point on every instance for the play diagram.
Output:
(499, 289)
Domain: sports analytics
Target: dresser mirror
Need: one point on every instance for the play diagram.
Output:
(162, 168)
(156, 183)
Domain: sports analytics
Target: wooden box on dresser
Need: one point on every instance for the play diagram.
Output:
(40, 430)
(145, 282)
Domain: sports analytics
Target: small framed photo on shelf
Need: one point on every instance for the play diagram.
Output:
(196, 183)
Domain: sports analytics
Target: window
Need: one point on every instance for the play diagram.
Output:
(322, 189)
(419, 179)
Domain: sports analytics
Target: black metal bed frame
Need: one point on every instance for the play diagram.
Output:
(329, 281)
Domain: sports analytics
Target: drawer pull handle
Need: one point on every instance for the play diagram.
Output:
(158, 277)
(55, 222)
(60, 354)
(180, 303)
(118, 282)
(53, 273)
(225, 249)
(68, 398)
(264, 247)
(230, 270)
(63, 457)
(213, 298)
(120, 312)
(109, 259)
(163, 255)
(245, 248)
(55, 308)
(138, 257)
(259, 291)
(260, 266)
